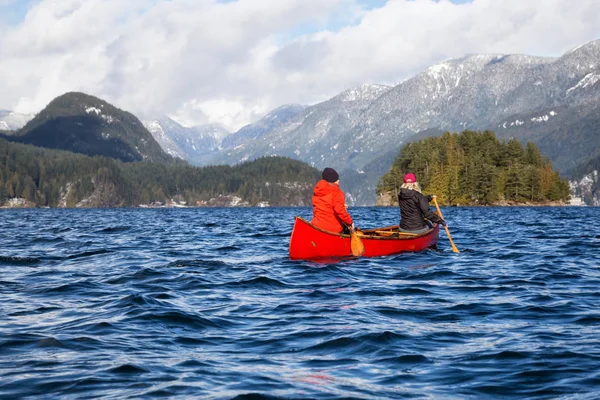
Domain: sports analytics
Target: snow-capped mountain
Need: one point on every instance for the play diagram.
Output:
(256, 130)
(155, 127)
(12, 121)
(472, 92)
(587, 188)
(195, 144)
(567, 134)
(314, 135)
(85, 124)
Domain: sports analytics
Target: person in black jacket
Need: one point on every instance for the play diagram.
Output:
(414, 207)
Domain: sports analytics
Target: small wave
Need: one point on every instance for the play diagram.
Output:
(60, 230)
(407, 359)
(428, 274)
(229, 248)
(39, 310)
(193, 364)
(471, 309)
(257, 396)
(359, 344)
(191, 341)
(588, 320)
(15, 260)
(336, 345)
(115, 229)
(163, 296)
(196, 263)
(86, 340)
(410, 291)
(142, 274)
(178, 318)
(384, 337)
(259, 282)
(18, 341)
(128, 369)
(100, 327)
(135, 300)
(50, 342)
(502, 355)
(82, 286)
(47, 240)
(88, 254)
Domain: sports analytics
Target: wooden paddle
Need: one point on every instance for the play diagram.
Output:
(454, 248)
(356, 245)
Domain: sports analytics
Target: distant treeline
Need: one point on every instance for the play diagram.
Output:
(52, 178)
(477, 168)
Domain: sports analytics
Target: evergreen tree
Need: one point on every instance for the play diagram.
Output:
(3, 193)
(476, 168)
(43, 175)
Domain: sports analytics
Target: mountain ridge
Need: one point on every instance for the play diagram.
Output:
(194, 144)
(311, 134)
(88, 125)
(472, 91)
(469, 92)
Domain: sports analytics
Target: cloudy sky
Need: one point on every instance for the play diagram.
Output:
(232, 61)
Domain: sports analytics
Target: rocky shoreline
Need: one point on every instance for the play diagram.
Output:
(387, 200)
(17, 203)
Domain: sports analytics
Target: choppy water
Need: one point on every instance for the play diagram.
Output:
(204, 303)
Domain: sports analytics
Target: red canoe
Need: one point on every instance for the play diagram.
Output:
(310, 242)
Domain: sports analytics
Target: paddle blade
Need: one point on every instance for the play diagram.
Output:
(356, 245)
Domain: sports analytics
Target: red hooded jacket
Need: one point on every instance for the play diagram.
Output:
(329, 207)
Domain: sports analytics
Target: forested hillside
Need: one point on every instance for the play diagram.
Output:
(476, 168)
(88, 125)
(569, 135)
(62, 179)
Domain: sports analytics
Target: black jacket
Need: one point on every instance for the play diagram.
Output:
(413, 208)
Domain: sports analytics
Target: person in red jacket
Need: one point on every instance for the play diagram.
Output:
(329, 204)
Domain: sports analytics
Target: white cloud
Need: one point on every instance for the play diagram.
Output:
(208, 61)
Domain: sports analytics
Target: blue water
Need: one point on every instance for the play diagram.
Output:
(204, 303)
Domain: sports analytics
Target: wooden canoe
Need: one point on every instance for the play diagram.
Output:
(309, 242)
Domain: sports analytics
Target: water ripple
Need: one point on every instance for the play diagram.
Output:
(204, 303)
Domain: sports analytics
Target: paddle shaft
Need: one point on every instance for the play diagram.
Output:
(454, 248)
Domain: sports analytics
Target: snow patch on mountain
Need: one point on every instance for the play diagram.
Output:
(363, 92)
(584, 188)
(194, 144)
(165, 142)
(588, 80)
(95, 110)
(544, 118)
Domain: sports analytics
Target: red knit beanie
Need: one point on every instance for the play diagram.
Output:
(330, 175)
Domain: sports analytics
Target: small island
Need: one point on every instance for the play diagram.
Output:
(476, 168)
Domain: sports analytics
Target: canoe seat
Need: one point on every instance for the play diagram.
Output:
(386, 233)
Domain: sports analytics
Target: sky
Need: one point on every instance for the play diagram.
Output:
(232, 61)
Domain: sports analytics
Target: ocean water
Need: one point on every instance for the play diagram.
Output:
(205, 303)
